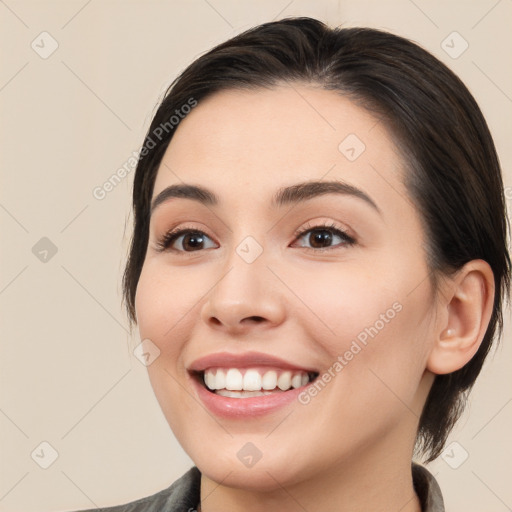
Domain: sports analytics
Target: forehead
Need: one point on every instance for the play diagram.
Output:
(267, 138)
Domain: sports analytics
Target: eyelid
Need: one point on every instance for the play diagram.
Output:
(325, 224)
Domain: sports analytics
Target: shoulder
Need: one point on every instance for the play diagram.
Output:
(427, 489)
(181, 496)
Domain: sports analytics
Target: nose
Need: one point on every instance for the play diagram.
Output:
(245, 297)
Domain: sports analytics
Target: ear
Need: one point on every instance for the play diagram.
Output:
(470, 300)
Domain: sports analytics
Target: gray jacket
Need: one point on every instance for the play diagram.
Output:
(183, 495)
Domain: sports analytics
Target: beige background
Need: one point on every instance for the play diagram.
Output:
(68, 122)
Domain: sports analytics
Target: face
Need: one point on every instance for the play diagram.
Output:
(307, 308)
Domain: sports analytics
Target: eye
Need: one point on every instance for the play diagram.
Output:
(324, 237)
(190, 240)
(321, 237)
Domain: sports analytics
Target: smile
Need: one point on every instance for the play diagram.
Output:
(247, 385)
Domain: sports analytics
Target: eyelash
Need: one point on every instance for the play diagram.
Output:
(171, 236)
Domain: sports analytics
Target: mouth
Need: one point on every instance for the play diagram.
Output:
(248, 385)
(252, 382)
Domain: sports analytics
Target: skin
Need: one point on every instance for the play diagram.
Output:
(350, 447)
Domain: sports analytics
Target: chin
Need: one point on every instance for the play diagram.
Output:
(262, 465)
(262, 477)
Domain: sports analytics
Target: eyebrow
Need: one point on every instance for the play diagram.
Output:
(284, 196)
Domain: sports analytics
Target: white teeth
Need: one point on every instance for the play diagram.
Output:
(297, 381)
(252, 382)
(209, 380)
(220, 380)
(234, 380)
(269, 380)
(284, 381)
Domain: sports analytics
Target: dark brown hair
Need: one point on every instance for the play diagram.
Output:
(454, 178)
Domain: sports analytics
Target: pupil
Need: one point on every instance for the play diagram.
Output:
(321, 237)
(194, 240)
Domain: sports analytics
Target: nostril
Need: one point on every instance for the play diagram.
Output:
(257, 319)
(250, 319)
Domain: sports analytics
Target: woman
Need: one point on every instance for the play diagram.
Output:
(317, 269)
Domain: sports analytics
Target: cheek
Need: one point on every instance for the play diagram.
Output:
(377, 358)
(339, 304)
(165, 304)
(373, 318)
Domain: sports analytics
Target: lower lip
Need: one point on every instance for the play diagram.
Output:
(228, 407)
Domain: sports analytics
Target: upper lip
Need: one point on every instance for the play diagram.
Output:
(245, 360)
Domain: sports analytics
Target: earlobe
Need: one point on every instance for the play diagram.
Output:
(468, 312)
